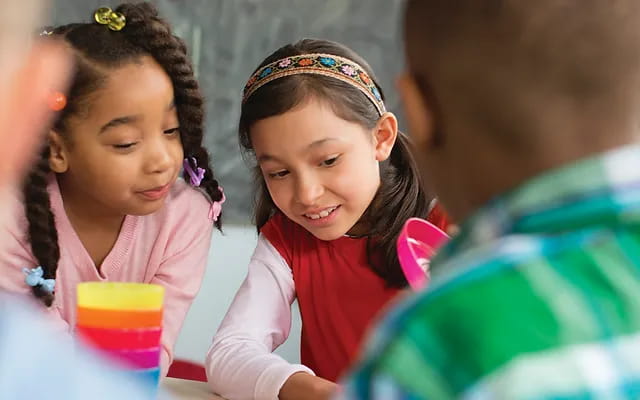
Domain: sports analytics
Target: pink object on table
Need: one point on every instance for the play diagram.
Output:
(416, 245)
(137, 358)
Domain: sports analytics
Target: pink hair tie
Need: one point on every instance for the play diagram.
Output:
(216, 207)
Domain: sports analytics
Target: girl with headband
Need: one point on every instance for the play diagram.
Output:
(335, 182)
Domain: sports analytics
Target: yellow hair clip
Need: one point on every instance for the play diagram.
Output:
(114, 20)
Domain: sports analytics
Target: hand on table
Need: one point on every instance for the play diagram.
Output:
(304, 386)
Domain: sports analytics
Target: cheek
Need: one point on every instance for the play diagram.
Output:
(177, 152)
(120, 170)
(279, 191)
(106, 167)
(356, 181)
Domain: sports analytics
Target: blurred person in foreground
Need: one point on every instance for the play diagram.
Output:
(525, 119)
(35, 362)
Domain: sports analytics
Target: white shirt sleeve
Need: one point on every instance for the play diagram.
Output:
(240, 363)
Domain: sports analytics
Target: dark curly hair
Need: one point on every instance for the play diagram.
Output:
(97, 50)
(401, 194)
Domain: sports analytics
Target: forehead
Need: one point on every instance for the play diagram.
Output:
(298, 128)
(135, 88)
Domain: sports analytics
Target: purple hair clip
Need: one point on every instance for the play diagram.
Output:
(216, 207)
(195, 176)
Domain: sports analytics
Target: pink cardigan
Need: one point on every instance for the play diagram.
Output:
(169, 247)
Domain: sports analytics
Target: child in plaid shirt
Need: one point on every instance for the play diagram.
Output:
(525, 116)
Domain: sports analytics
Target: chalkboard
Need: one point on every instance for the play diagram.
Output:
(228, 38)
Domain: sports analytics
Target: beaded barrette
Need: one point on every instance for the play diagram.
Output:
(114, 20)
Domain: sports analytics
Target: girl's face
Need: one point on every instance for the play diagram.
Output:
(321, 171)
(123, 152)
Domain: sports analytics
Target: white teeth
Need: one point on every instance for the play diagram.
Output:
(322, 214)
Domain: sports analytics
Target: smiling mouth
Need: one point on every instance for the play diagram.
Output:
(156, 193)
(322, 214)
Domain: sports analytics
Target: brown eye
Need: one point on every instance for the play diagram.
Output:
(279, 174)
(330, 161)
(124, 145)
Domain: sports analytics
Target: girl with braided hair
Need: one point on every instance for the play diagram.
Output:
(104, 202)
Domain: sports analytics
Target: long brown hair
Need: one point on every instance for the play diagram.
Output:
(97, 50)
(401, 194)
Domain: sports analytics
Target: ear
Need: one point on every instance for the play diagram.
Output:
(420, 116)
(385, 135)
(58, 153)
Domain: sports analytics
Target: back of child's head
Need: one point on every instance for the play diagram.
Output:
(501, 91)
(511, 69)
(400, 195)
(97, 50)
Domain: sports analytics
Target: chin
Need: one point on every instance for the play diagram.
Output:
(145, 209)
(327, 234)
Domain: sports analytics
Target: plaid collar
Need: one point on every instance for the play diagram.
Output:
(604, 189)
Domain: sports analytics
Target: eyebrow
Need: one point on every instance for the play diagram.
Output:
(268, 157)
(129, 119)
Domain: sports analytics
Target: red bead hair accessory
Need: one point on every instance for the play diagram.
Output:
(57, 101)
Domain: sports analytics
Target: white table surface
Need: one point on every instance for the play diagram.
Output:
(182, 389)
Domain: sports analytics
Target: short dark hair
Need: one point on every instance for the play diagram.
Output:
(493, 62)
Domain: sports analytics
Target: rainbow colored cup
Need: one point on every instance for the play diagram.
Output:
(138, 358)
(151, 375)
(123, 321)
(120, 296)
(416, 245)
(118, 319)
(114, 339)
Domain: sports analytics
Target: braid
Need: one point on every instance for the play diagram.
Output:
(96, 49)
(145, 29)
(43, 235)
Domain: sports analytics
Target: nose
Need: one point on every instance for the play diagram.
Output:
(159, 158)
(308, 190)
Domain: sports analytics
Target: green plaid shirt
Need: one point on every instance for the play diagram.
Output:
(538, 297)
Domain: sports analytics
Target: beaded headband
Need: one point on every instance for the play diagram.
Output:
(320, 64)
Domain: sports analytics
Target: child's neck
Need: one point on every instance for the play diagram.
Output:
(97, 230)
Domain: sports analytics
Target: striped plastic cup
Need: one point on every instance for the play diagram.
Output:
(123, 321)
